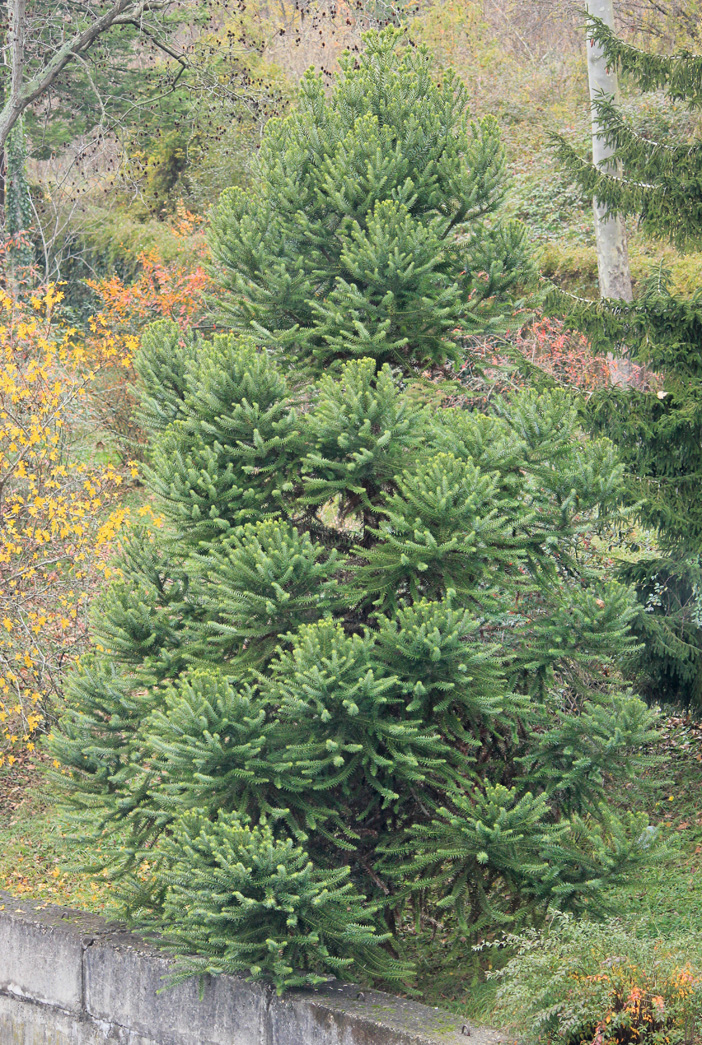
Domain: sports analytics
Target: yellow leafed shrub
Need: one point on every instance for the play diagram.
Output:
(60, 509)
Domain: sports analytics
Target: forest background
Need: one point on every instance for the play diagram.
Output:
(122, 157)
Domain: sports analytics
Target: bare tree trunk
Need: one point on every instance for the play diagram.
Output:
(17, 18)
(610, 233)
(612, 254)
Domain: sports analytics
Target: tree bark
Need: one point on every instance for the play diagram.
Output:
(612, 254)
(610, 233)
(18, 24)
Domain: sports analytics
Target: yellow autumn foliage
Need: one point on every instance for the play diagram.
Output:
(61, 507)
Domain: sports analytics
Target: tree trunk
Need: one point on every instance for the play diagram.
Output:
(16, 22)
(612, 254)
(610, 233)
(24, 92)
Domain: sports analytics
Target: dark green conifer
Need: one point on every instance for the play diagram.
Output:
(373, 677)
(368, 229)
(657, 428)
(369, 661)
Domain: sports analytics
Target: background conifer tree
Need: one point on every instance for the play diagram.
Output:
(367, 664)
(369, 228)
(658, 428)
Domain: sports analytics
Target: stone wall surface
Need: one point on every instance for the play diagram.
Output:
(68, 978)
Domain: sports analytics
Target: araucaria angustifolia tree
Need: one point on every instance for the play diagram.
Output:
(366, 666)
(370, 226)
(658, 429)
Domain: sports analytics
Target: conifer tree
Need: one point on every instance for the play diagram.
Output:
(355, 672)
(369, 229)
(658, 429)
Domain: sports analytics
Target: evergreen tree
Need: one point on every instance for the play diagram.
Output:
(354, 672)
(658, 429)
(369, 229)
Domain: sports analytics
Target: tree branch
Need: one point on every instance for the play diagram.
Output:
(161, 45)
(122, 12)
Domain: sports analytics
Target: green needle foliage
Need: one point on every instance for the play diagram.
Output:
(356, 677)
(660, 183)
(369, 228)
(658, 429)
(265, 580)
(231, 886)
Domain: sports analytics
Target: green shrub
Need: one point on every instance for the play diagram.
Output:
(581, 982)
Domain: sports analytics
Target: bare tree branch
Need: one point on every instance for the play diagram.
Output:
(161, 45)
(122, 12)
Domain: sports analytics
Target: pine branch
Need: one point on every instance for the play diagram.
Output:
(679, 75)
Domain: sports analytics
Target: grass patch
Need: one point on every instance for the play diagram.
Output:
(35, 850)
(666, 901)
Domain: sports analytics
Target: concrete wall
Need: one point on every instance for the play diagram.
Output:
(68, 978)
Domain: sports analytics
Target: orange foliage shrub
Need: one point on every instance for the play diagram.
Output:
(173, 291)
(564, 355)
(641, 1008)
(584, 983)
(500, 365)
(60, 509)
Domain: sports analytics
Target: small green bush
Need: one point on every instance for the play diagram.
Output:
(582, 982)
